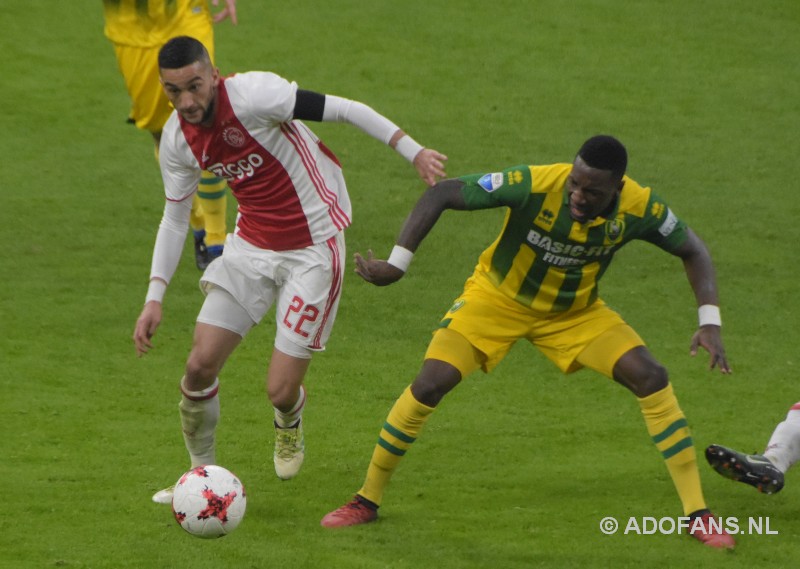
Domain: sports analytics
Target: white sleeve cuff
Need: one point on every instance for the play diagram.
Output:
(156, 291)
(408, 148)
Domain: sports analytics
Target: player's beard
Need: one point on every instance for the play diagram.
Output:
(208, 115)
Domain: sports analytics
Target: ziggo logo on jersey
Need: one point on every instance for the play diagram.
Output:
(238, 170)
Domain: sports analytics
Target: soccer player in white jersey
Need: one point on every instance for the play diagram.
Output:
(765, 471)
(288, 245)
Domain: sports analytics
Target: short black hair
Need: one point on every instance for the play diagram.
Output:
(605, 152)
(182, 51)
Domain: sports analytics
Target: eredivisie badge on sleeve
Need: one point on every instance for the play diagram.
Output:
(490, 182)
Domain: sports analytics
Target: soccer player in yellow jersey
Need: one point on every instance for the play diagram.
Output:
(538, 282)
(138, 29)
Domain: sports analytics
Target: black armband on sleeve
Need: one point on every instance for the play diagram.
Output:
(309, 105)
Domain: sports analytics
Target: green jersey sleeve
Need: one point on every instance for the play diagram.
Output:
(661, 226)
(510, 188)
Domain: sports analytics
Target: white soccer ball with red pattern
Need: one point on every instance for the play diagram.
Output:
(209, 501)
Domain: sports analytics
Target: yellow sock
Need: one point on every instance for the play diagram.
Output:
(667, 425)
(402, 427)
(196, 217)
(212, 199)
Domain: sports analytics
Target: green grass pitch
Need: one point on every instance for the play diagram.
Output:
(515, 469)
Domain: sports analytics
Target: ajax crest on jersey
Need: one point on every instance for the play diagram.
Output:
(209, 501)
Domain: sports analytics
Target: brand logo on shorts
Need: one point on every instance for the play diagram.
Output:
(233, 136)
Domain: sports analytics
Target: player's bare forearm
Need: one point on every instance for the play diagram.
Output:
(699, 270)
(429, 207)
(436, 199)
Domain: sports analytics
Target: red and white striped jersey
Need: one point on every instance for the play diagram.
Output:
(289, 186)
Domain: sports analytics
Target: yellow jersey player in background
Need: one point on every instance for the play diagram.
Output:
(138, 29)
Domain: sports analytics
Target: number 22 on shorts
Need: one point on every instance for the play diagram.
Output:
(301, 313)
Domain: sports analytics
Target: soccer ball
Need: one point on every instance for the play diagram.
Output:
(209, 501)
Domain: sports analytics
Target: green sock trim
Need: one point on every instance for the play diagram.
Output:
(390, 447)
(398, 433)
(211, 195)
(663, 435)
(677, 447)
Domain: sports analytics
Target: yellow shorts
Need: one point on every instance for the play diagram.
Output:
(150, 107)
(594, 337)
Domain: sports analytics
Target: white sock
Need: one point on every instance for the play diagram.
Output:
(289, 419)
(199, 417)
(783, 449)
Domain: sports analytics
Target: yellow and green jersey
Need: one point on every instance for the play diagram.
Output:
(150, 23)
(543, 258)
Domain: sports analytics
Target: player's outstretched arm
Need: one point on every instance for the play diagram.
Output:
(310, 105)
(436, 199)
(228, 12)
(700, 272)
(170, 239)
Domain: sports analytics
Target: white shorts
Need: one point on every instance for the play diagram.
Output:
(304, 284)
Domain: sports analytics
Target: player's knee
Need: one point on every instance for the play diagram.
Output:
(640, 372)
(434, 381)
(282, 396)
(652, 377)
(201, 371)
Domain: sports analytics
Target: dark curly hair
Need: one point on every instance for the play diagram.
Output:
(182, 51)
(605, 152)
